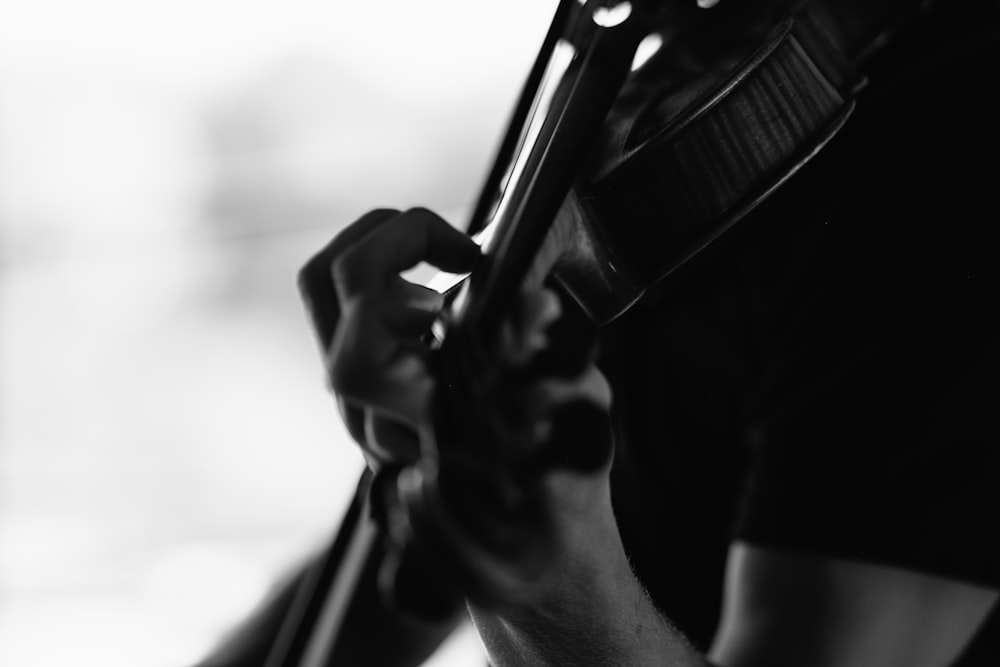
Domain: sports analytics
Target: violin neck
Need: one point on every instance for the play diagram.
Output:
(322, 600)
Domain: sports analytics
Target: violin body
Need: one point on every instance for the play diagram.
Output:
(688, 152)
(698, 139)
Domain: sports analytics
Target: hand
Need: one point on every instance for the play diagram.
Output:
(522, 488)
(369, 322)
(545, 404)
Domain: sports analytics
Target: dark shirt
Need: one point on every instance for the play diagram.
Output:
(823, 379)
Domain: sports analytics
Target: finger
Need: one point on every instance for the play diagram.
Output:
(391, 441)
(418, 307)
(383, 441)
(314, 279)
(370, 364)
(353, 417)
(572, 425)
(523, 423)
(523, 335)
(547, 338)
(418, 235)
(537, 311)
(572, 346)
(540, 401)
(419, 296)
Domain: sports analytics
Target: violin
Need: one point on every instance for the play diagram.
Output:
(615, 171)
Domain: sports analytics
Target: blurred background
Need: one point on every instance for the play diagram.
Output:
(167, 445)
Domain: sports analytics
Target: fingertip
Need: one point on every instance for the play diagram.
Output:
(447, 247)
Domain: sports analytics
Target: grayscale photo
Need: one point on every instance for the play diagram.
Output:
(570, 333)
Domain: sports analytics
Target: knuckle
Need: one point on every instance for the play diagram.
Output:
(312, 274)
(349, 356)
(353, 417)
(422, 211)
(346, 377)
(347, 270)
(317, 270)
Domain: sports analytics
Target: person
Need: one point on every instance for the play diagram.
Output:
(804, 464)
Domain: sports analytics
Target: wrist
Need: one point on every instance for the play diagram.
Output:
(589, 610)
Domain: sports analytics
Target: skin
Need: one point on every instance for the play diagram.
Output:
(589, 608)
(794, 609)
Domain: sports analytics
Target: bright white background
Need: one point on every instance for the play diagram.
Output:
(167, 447)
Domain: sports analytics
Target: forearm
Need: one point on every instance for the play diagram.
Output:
(591, 611)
